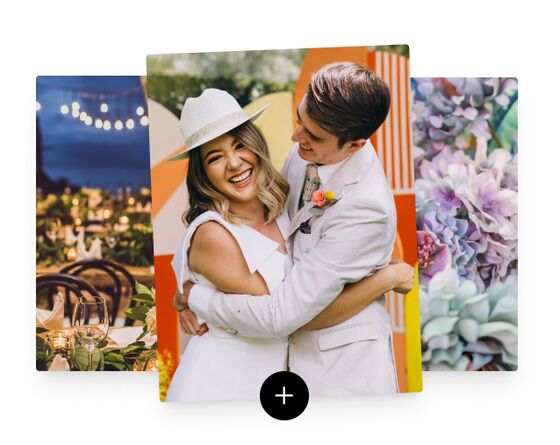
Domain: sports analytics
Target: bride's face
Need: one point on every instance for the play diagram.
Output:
(231, 167)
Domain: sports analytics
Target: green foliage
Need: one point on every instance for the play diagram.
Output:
(80, 359)
(137, 312)
(172, 91)
(400, 50)
(132, 247)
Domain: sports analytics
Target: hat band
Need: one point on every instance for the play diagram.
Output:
(223, 121)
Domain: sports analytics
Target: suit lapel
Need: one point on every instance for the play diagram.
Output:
(300, 216)
(348, 173)
(296, 178)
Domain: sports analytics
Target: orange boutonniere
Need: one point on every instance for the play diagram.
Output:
(321, 200)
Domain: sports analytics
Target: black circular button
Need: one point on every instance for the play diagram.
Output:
(284, 395)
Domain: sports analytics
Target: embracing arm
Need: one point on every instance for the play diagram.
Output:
(351, 248)
(355, 297)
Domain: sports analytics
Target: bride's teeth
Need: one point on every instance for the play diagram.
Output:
(242, 178)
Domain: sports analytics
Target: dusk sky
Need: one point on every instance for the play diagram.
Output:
(87, 155)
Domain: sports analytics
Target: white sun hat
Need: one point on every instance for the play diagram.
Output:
(212, 114)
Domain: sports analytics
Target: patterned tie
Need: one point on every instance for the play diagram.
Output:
(311, 184)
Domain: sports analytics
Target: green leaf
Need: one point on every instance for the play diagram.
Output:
(130, 349)
(137, 312)
(112, 357)
(81, 358)
(117, 366)
(141, 289)
(143, 298)
(317, 211)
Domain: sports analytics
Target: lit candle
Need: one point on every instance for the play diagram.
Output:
(71, 255)
(60, 339)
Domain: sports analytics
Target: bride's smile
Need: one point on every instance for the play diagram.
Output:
(232, 168)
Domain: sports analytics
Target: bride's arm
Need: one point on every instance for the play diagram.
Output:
(215, 254)
(355, 297)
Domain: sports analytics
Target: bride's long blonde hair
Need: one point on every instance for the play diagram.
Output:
(272, 188)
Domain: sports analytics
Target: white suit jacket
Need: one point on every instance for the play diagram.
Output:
(351, 240)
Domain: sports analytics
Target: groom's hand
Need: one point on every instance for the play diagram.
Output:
(402, 276)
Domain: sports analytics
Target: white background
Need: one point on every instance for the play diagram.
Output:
(474, 38)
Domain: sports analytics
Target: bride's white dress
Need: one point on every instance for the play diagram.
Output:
(220, 365)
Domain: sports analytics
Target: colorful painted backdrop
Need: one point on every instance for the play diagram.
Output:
(278, 78)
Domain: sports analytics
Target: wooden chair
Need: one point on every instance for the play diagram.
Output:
(69, 285)
(121, 283)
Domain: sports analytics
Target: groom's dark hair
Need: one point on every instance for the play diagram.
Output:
(347, 100)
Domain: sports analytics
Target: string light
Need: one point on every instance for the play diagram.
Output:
(74, 108)
(37, 105)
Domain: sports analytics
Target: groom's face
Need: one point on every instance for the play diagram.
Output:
(316, 144)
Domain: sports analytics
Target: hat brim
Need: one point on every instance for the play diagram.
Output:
(185, 154)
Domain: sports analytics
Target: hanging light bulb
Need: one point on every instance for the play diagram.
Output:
(83, 116)
(37, 105)
(144, 120)
(89, 121)
(130, 124)
(140, 111)
(98, 123)
(106, 125)
(104, 108)
(64, 109)
(76, 113)
(75, 105)
(118, 125)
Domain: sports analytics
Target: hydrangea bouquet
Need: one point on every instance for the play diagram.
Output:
(465, 142)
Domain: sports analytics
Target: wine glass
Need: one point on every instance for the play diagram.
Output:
(90, 320)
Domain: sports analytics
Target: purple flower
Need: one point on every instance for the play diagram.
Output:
(433, 256)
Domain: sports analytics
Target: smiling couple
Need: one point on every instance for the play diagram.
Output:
(286, 270)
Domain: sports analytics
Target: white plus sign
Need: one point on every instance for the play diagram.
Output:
(283, 395)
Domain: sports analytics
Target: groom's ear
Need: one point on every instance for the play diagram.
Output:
(354, 146)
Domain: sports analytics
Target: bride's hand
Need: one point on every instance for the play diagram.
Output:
(189, 323)
(181, 301)
(187, 318)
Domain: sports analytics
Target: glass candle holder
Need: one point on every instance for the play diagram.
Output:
(59, 342)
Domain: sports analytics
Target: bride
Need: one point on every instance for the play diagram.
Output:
(235, 241)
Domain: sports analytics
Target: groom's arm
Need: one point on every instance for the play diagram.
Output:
(350, 249)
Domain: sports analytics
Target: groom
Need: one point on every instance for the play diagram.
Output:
(333, 241)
